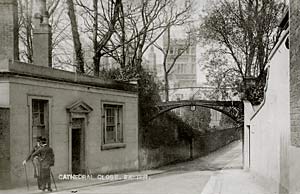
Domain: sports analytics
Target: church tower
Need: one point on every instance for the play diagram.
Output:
(152, 60)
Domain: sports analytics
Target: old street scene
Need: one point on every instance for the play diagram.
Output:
(150, 96)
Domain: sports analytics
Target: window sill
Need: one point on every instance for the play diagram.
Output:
(113, 146)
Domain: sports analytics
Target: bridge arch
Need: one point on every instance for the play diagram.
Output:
(232, 109)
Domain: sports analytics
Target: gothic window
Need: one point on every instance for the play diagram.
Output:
(193, 68)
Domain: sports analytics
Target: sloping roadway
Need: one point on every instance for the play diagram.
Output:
(183, 178)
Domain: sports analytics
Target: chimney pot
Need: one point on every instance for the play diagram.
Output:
(9, 40)
(42, 51)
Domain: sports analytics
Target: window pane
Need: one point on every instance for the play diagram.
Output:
(119, 133)
(42, 131)
(110, 121)
(41, 105)
(110, 135)
(110, 128)
(109, 112)
(39, 119)
(35, 106)
(35, 119)
(42, 119)
(34, 134)
(113, 125)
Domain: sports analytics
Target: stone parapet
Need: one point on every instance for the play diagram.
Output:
(11, 68)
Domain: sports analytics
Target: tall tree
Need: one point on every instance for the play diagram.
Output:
(141, 25)
(25, 26)
(76, 38)
(25, 30)
(99, 19)
(121, 30)
(179, 47)
(244, 31)
(221, 75)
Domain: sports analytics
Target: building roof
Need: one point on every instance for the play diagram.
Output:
(11, 68)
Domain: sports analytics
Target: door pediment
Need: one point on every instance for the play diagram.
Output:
(79, 107)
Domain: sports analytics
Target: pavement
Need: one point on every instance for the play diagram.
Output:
(234, 182)
(72, 185)
(230, 180)
(218, 173)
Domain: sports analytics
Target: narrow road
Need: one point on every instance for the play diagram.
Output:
(183, 178)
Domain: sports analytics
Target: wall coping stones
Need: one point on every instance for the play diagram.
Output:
(8, 67)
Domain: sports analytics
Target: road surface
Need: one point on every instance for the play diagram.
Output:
(184, 178)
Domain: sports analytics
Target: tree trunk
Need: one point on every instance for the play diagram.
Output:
(96, 58)
(123, 37)
(96, 61)
(99, 45)
(76, 38)
(166, 73)
(29, 32)
(166, 87)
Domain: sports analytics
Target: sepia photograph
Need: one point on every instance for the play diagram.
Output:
(150, 96)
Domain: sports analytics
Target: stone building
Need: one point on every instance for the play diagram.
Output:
(184, 73)
(151, 64)
(90, 123)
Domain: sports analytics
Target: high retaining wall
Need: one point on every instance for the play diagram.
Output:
(294, 148)
(201, 146)
(267, 132)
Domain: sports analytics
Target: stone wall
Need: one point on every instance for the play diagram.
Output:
(61, 95)
(4, 148)
(152, 158)
(267, 134)
(295, 71)
(215, 140)
(183, 150)
(294, 149)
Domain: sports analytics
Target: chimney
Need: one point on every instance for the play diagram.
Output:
(9, 30)
(42, 51)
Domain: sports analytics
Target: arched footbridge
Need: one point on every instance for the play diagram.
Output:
(233, 109)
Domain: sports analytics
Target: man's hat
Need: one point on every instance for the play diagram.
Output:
(43, 140)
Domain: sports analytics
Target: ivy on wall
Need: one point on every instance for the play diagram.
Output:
(168, 128)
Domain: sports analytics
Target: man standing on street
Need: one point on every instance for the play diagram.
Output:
(35, 161)
(46, 156)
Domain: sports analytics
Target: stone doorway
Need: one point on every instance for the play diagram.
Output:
(79, 119)
(78, 146)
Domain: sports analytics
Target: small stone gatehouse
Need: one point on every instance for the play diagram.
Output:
(91, 123)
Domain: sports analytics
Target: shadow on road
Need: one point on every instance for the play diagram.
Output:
(228, 157)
